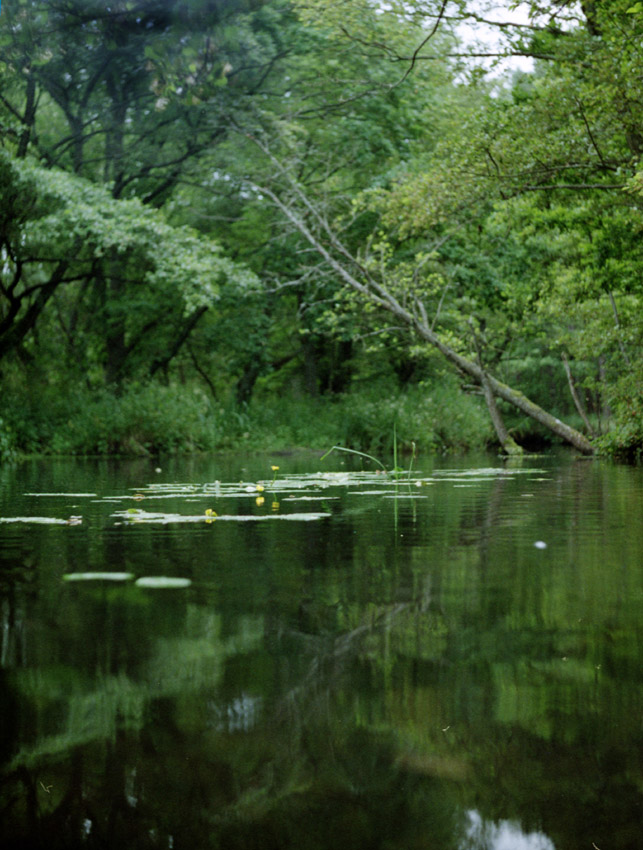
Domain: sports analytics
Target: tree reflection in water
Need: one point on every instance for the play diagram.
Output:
(408, 674)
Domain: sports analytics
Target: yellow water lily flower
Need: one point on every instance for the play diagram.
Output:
(210, 512)
(274, 468)
(259, 501)
(275, 506)
(260, 488)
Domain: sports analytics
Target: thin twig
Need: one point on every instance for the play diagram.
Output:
(415, 56)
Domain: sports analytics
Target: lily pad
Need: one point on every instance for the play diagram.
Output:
(489, 472)
(404, 496)
(98, 576)
(162, 582)
(369, 492)
(76, 495)
(139, 517)
(41, 520)
(309, 498)
(470, 481)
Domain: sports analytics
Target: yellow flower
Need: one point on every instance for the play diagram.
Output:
(260, 500)
(275, 506)
(274, 468)
(210, 512)
(260, 488)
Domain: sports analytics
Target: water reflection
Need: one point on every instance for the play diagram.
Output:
(403, 672)
(505, 835)
(240, 715)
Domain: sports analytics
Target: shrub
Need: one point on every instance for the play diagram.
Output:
(148, 419)
(153, 419)
(435, 418)
(625, 439)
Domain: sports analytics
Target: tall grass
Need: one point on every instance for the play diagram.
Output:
(153, 419)
(436, 420)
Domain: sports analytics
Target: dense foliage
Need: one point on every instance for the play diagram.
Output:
(210, 214)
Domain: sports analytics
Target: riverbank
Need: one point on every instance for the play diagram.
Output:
(151, 420)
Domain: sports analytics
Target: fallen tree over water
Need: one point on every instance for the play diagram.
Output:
(297, 207)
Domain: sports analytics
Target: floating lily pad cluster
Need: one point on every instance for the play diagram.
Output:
(270, 495)
(270, 500)
(164, 518)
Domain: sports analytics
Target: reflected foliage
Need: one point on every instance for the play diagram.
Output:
(386, 678)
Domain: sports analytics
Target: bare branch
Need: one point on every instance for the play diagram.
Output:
(416, 53)
(573, 186)
(439, 307)
(353, 274)
(591, 136)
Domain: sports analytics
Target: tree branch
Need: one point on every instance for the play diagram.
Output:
(374, 292)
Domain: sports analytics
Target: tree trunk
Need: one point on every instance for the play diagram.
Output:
(363, 283)
(202, 372)
(245, 384)
(184, 333)
(578, 402)
(340, 372)
(12, 331)
(509, 445)
(115, 347)
(29, 115)
(514, 397)
(311, 375)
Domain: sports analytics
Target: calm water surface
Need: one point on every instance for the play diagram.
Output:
(453, 661)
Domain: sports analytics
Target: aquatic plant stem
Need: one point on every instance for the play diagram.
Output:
(354, 452)
(412, 458)
(395, 447)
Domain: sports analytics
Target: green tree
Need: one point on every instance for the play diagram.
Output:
(60, 231)
(130, 97)
(564, 139)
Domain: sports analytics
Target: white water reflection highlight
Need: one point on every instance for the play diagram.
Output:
(505, 835)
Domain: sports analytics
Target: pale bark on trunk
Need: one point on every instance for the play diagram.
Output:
(514, 397)
(578, 401)
(509, 445)
(362, 282)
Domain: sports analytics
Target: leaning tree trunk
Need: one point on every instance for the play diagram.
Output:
(341, 261)
(514, 397)
(509, 445)
(578, 401)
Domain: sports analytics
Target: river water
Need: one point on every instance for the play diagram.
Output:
(321, 655)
